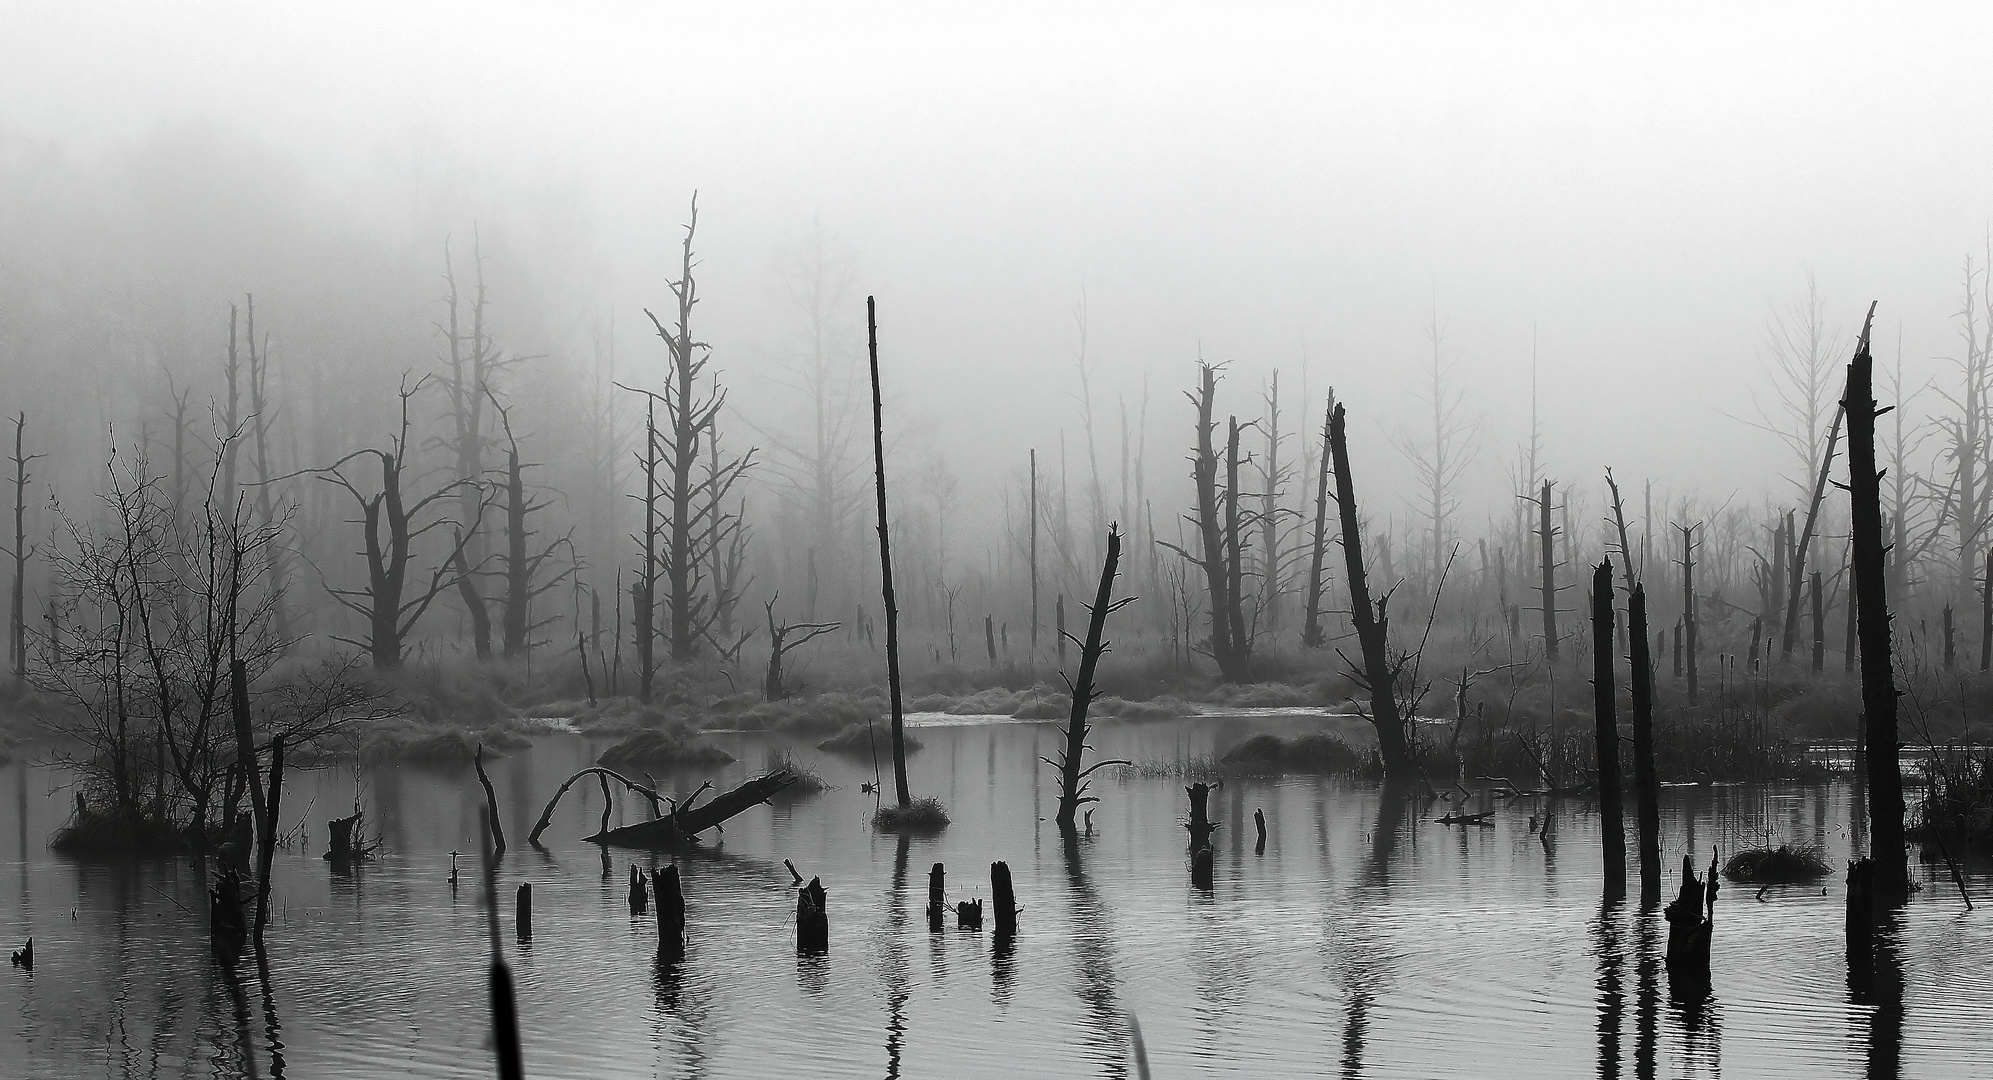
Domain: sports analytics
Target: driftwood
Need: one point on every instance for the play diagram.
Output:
(547, 815)
(1457, 818)
(681, 828)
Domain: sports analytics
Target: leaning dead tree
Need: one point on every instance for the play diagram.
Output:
(391, 523)
(780, 645)
(1890, 880)
(1072, 778)
(695, 522)
(1796, 567)
(1312, 636)
(1378, 674)
(676, 824)
(886, 565)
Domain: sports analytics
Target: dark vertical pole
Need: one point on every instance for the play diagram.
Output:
(886, 565)
(1891, 880)
(1646, 782)
(1034, 550)
(1688, 608)
(1546, 534)
(1311, 633)
(1819, 625)
(1605, 711)
(1986, 616)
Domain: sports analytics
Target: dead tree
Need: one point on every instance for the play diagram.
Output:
(1072, 778)
(1378, 674)
(470, 380)
(643, 591)
(690, 605)
(1646, 781)
(1312, 636)
(779, 645)
(1440, 463)
(21, 553)
(261, 418)
(1605, 712)
(390, 526)
(522, 566)
(1687, 634)
(1891, 880)
(1546, 538)
(1034, 551)
(1797, 563)
(1213, 531)
(886, 565)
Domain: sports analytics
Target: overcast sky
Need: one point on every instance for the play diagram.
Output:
(1636, 188)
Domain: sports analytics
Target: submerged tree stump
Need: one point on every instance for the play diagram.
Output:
(523, 914)
(935, 906)
(639, 892)
(670, 914)
(1200, 824)
(969, 915)
(1200, 867)
(1860, 920)
(1259, 823)
(1691, 918)
(345, 846)
(812, 921)
(1004, 900)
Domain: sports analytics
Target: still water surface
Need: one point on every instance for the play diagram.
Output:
(1366, 940)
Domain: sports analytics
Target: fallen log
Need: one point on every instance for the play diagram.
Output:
(1457, 818)
(681, 828)
(547, 815)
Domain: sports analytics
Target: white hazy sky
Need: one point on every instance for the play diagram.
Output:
(1636, 184)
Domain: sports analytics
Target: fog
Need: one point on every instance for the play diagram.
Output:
(1628, 197)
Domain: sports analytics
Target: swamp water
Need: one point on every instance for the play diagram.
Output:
(1365, 941)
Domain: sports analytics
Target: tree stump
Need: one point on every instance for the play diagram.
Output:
(1200, 824)
(670, 913)
(639, 892)
(226, 920)
(1200, 867)
(1860, 920)
(1004, 900)
(1259, 823)
(969, 915)
(24, 958)
(1690, 919)
(523, 914)
(812, 921)
(340, 836)
(935, 905)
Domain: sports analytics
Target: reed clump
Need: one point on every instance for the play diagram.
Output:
(1316, 752)
(673, 744)
(1957, 802)
(1787, 864)
(918, 816)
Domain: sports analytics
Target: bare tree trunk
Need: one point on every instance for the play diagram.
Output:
(1819, 626)
(1546, 534)
(1605, 711)
(886, 565)
(1688, 608)
(1312, 636)
(1034, 551)
(1235, 578)
(1798, 568)
(1072, 778)
(1211, 532)
(1646, 782)
(644, 589)
(1885, 777)
(18, 643)
(1372, 624)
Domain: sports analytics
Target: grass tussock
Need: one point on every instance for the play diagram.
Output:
(1316, 752)
(1266, 696)
(1200, 767)
(808, 780)
(91, 832)
(918, 816)
(673, 744)
(1786, 864)
(859, 740)
(1162, 708)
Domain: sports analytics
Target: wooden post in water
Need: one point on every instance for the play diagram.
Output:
(1200, 867)
(812, 921)
(969, 915)
(1200, 823)
(1606, 730)
(1819, 626)
(935, 893)
(670, 913)
(639, 892)
(523, 915)
(1259, 823)
(1004, 900)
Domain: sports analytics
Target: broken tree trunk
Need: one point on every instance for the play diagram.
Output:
(491, 805)
(1200, 824)
(670, 913)
(681, 828)
(1547, 534)
(1690, 920)
(1646, 782)
(1605, 710)
(812, 921)
(1891, 882)
(936, 882)
(1004, 899)
(1796, 566)
(1372, 624)
(1312, 636)
(639, 892)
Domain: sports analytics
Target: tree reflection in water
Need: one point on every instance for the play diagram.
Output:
(1104, 1028)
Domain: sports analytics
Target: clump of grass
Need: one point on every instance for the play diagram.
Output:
(858, 740)
(995, 701)
(918, 816)
(674, 744)
(1201, 767)
(808, 782)
(1783, 865)
(92, 832)
(821, 713)
(1266, 696)
(1957, 802)
(1314, 752)
(1162, 708)
(1043, 705)
(407, 739)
